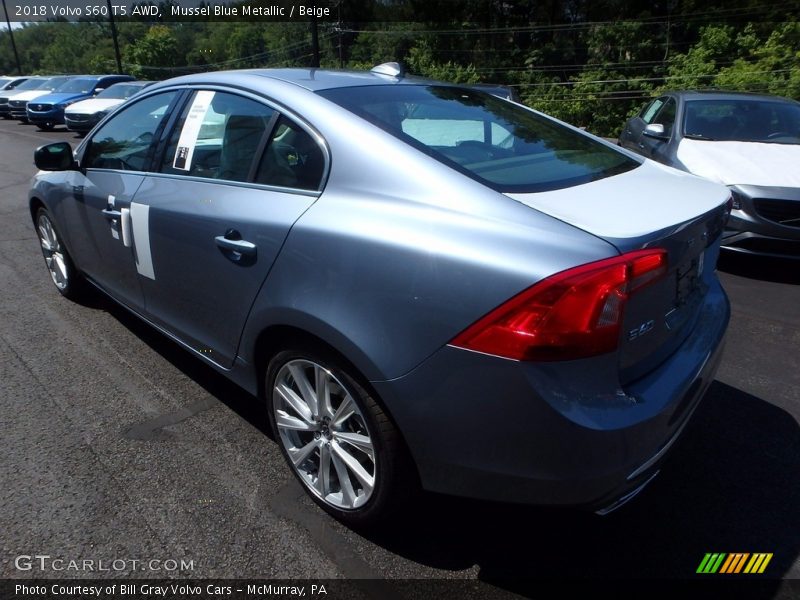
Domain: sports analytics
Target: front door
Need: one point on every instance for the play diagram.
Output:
(113, 162)
(233, 179)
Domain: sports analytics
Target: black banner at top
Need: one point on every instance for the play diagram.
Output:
(325, 11)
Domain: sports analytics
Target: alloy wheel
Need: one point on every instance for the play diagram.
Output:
(324, 434)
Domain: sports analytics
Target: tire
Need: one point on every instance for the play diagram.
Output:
(67, 279)
(364, 447)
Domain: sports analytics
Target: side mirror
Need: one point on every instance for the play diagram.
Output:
(55, 157)
(655, 130)
(97, 91)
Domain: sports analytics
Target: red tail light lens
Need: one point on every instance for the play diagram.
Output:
(573, 314)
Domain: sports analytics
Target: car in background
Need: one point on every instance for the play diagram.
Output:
(18, 104)
(749, 142)
(29, 84)
(48, 111)
(85, 114)
(9, 83)
(422, 282)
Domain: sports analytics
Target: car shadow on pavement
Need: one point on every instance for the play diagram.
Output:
(730, 485)
(764, 268)
(237, 399)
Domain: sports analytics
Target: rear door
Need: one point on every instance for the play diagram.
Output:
(233, 176)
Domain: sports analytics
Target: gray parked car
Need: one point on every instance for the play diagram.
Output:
(424, 283)
(748, 142)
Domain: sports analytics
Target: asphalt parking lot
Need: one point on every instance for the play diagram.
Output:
(118, 444)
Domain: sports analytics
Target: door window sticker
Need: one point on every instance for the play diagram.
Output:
(140, 219)
(191, 130)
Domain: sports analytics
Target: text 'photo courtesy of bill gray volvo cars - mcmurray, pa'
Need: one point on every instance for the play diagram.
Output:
(424, 283)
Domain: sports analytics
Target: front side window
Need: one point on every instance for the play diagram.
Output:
(651, 109)
(666, 116)
(500, 144)
(124, 141)
(218, 136)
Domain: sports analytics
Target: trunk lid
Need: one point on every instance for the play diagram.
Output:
(652, 206)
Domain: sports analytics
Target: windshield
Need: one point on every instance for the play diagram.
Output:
(54, 83)
(78, 86)
(119, 91)
(742, 120)
(500, 144)
(31, 84)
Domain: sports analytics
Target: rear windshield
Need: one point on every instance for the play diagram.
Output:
(500, 144)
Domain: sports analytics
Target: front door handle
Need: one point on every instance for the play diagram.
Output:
(240, 246)
(111, 214)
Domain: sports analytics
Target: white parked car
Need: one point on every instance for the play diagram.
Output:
(84, 115)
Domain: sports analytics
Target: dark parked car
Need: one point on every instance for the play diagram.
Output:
(421, 281)
(749, 142)
(48, 111)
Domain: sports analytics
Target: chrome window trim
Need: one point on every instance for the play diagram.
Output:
(274, 105)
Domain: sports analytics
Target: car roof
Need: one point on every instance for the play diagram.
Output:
(313, 79)
(726, 95)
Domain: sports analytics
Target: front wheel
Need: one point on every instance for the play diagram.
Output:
(336, 438)
(62, 270)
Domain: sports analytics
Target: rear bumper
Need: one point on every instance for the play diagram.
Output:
(551, 433)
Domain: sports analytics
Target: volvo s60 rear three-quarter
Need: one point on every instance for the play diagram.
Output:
(424, 283)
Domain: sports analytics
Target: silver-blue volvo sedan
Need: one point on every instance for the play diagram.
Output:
(425, 284)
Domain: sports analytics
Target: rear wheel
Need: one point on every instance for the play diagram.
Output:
(65, 276)
(336, 438)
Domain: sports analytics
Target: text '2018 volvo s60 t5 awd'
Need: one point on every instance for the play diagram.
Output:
(426, 284)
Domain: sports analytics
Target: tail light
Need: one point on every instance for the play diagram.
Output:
(572, 314)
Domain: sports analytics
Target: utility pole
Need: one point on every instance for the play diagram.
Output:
(11, 35)
(113, 35)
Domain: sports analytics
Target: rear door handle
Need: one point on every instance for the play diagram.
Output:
(240, 246)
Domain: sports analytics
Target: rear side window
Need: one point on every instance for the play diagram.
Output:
(217, 136)
(293, 158)
(502, 145)
(123, 142)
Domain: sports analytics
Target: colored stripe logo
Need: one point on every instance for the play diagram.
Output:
(735, 562)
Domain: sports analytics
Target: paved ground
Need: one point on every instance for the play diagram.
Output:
(117, 444)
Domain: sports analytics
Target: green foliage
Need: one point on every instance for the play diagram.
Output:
(148, 56)
(566, 57)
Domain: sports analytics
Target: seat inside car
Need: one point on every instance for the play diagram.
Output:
(240, 142)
